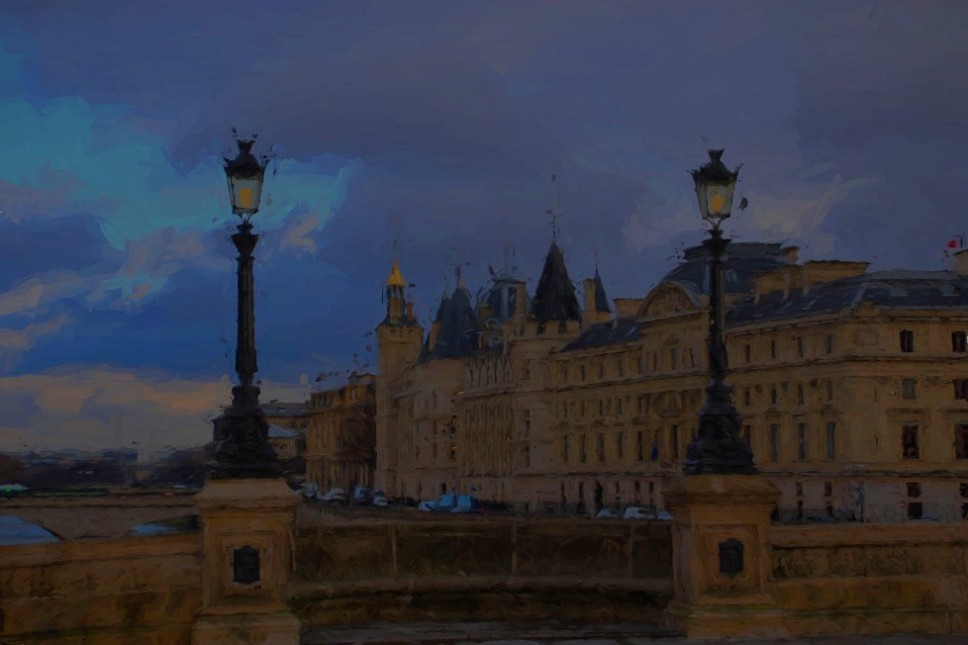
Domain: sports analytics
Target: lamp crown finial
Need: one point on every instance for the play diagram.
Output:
(715, 155)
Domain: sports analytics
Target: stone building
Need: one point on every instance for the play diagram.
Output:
(340, 434)
(853, 386)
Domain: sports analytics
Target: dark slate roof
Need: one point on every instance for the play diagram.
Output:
(601, 300)
(742, 262)
(457, 334)
(883, 289)
(613, 332)
(554, 299)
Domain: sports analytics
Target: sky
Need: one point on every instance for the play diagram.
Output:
(427, 130)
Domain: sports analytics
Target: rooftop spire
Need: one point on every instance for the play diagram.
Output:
(395, 279)
(554, 209)
(554, 298)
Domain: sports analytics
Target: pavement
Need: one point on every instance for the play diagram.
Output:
(555, 633)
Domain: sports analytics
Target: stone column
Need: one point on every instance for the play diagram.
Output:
(246, 563)
(721, 559)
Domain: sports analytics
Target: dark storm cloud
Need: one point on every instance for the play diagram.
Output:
(429, 130)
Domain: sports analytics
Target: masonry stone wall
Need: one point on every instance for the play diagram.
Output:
(871, 579)
(143, 590)
(440, 567)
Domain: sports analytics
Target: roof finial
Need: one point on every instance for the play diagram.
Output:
(596, 262)
(555, 210)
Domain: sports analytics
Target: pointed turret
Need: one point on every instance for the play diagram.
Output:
(554, 299)
(596, 301)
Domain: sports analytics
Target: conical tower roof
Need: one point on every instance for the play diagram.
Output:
(457, 333)
(555, 299)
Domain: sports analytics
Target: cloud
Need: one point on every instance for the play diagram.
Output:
(49, 409)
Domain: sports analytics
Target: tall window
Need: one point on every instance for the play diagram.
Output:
(581, 372)
(773, 395)
(747, 397)
(800, 346)
(746, 434)
(907, 340)
(831, 439)
(909, 441)
(830, 343)
(961, 441)
(774, 442)
(640, 365)
(564, 449)
(675, 442)
(800, 394)
(830, 390)
(959, 342)
(620, 367)
(582, 454)
(600, 447)
(909, 389)
(747, 352)
(639, 447)
(620, 445)
(801, 441)
(961, 388)
(772, 349)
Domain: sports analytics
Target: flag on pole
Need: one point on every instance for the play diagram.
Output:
(955, 244)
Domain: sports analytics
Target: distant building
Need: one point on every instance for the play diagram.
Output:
(340, 434)
(853, 386)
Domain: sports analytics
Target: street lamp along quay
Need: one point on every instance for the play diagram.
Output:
(718, 448)
(240, 433)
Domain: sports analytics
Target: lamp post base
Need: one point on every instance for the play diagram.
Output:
(719, 450)
(241, 447)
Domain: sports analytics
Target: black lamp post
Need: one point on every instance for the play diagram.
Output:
(241, 446)
(718, 449)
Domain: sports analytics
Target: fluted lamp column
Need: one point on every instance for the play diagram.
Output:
(718, 448)
(242, 449)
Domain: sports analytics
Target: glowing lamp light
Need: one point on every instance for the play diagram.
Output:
(245, 175)
(714, 188)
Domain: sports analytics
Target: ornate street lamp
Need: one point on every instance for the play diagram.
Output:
(718, 449)
(241, 446)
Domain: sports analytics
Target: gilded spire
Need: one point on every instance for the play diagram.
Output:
(396, 277)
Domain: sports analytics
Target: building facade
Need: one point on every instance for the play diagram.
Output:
(340, 424)
(852, 385)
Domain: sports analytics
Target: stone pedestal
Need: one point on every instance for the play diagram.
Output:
(247, 561)
(721, 560)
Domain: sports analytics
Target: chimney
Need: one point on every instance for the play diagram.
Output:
(961, 262)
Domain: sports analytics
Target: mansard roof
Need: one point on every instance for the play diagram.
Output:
(501, 297)
(896, 289)
(555, 299)
(742, 262)
(613, 332)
